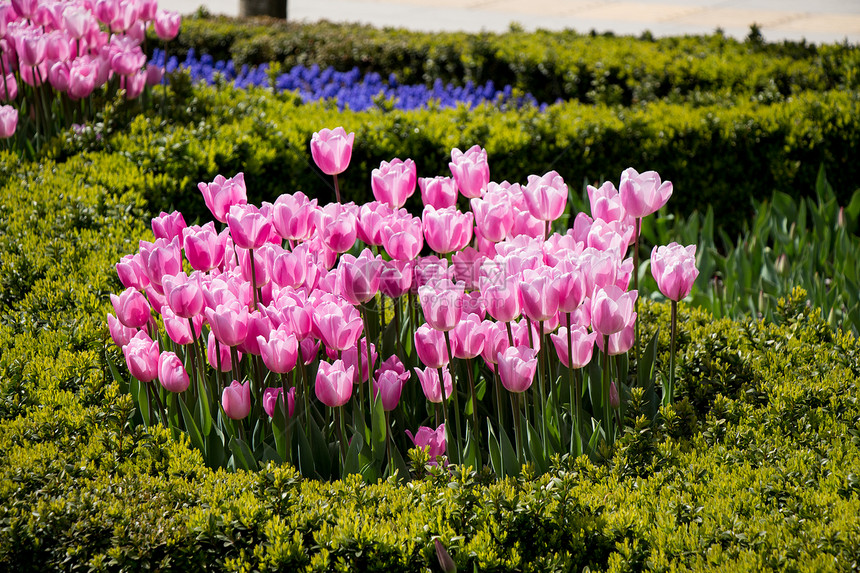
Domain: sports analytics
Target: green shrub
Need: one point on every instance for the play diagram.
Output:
(550, 65)
(755, 468)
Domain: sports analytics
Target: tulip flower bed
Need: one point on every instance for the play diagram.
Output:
(763, 436)
(348, 89)
(564, 65)
(283, 282)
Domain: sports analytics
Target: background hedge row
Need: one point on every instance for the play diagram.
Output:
(550, 65)
(755, 468)
(714, 155)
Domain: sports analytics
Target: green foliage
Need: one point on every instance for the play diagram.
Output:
(754, 468)
(550, 65)
(714, 155)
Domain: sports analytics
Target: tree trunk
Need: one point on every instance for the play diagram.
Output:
(274, 8)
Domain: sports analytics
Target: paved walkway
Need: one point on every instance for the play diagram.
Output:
(814, 20)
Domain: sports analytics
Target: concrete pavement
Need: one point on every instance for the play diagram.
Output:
(814, 20)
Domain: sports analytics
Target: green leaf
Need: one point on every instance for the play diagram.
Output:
(191, 426)
(202, 410)
(471, 455)
(307, 467)
(495, 451)
(351, 464)
(320, 450)
(378, 432)
(117, 377)
(509, 455)
(242, 455)
(647, 378)
(399, 465)
(535, 448)
(279, 429)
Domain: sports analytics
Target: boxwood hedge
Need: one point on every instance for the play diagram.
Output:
(719, 156)
(551, 65)
(756, 468)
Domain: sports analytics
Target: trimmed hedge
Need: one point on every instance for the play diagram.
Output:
(715, 155)
(755, 468)
(550, 65)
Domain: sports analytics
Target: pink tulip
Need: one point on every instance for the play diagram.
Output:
(154, 75)
(262, 267)
(473, 303)
(430, 346)
(280, 351)
(396, 278)
(273, 396)
(204, 248)
(442, 304)
(622, 341)
(358, 278)
(157, 301)
(546, 196)
(8, 121)
(332, 150)
(394, 182)
(167, 25)
(403, 238)
(387, 386)
(131, 308)
(338, 227)
(438, 192)
(447, 230)
(259, 325)
(290, 268)
(141, 357)
(571, 286)
(429, 379)
(293, 216)
(25, 8)
(606, 204)
(502, 296)
(517, 367)
(334, 383)
(433, 440)
(159, 259)
(643, 194)
(169, 225)
(171, 373)
(338, 326)
(229, 323)
(222, 194)
(249, 227)
(212, 348)
(494, 215)
(350, 358)
(467, 266)
(32, 47)
(470, 170)
(309, 349)
(373, 218)
(495, 342)
(582, 342)
(539, 293)
(77, 21)
(184, 294)
(8, 88)
(611, 309)
(674, 269)
(429, 271)
(120, 333)
(612, 237)
(521, 335)
(468, 337)
(178, 328)
(236, 400)
(83, 74)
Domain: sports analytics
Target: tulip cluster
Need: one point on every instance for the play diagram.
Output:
(295, 303)
(349, 89)
(55, 54)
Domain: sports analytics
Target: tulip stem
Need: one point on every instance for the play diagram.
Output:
(336, 188)
(287, 417)
(338, 413)
(391, 469)
(162, 412)
(575, 435)
(369, 361)
(475, 425)
(234, 359)
(607, 409)
(497, 394)
(454, 393)
(304, 390)
(637, 224)
(540, 404)
(448, 431)
(253, 279)
(553, 391)
(518, 423)
(669, 397)
(511, 334)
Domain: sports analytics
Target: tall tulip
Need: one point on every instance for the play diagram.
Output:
(236, 400)
(394, 182)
